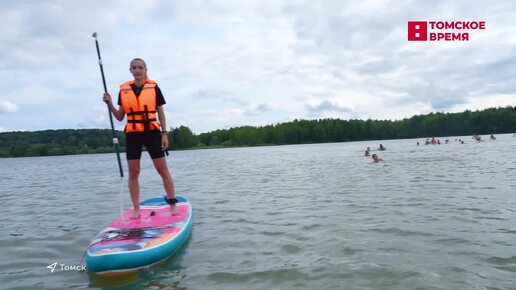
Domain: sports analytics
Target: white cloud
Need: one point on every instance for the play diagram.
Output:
(257, 110)
(234, 63)
(7, 107)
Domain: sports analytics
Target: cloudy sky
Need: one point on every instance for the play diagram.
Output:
(228, 63)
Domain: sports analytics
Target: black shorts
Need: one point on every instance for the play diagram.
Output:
(152, 141)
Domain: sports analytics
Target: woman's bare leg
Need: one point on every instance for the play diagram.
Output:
(134, 186)
(161, 166)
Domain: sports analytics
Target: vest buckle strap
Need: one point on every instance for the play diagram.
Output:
(148, 121)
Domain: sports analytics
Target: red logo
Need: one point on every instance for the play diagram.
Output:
(417, 31)
(442, 30)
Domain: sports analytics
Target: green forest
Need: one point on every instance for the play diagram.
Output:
(85, 141)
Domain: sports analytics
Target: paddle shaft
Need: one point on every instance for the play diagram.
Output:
(115, 140)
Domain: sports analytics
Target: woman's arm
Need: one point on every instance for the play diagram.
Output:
(118, 113)
(163, 121)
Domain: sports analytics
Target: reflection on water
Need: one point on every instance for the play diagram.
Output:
(306, 217)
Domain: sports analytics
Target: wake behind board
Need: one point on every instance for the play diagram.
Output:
(128, 244)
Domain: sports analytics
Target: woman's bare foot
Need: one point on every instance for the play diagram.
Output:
(173, 209)
(136, 214)
(172, 202)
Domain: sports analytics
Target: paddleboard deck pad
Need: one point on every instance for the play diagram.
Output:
(129, 244)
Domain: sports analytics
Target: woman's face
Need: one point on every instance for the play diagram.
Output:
(138, 69)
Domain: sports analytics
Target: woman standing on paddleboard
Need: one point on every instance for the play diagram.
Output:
(141, 99)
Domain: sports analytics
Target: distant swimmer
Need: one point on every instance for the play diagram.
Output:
(366, 152)
(492, 137)
(381, 147)
(376, 159)
(417, 143)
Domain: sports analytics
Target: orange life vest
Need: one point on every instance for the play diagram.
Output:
(141, 111)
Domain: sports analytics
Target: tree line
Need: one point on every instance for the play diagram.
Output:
(85, 141)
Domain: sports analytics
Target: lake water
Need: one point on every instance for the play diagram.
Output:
(317, 216)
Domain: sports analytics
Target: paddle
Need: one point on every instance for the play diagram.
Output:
(115, 140)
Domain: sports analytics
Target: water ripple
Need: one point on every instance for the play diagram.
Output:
(287, 217)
